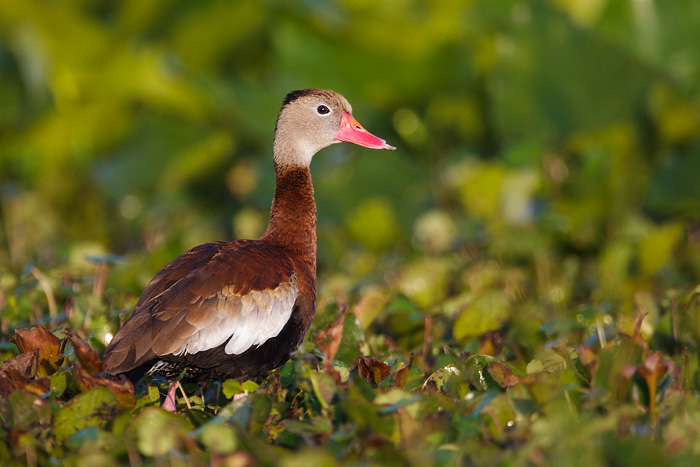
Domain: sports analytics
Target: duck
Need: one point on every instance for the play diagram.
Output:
(236, 310)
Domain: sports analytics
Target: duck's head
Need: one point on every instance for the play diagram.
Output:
(312, 119)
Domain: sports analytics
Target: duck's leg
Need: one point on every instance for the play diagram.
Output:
(169, 403)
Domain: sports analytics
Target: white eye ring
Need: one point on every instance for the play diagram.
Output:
(323, 109)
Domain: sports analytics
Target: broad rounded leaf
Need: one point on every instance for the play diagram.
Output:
(488, 313)
(159, 431)
(48, 345)
(94, 407)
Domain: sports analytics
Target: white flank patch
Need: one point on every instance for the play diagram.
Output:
(248, 320)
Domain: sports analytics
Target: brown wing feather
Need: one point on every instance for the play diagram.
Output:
(179, 267)
(184, 295)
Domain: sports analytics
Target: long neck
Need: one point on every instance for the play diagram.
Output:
(293, 214)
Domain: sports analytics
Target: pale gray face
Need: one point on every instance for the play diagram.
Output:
(308, 122)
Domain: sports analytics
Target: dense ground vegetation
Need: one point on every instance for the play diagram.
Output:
(519, 283)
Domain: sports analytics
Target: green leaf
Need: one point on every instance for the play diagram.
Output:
(231, 387)
(219, 438)
(487, 313)
(535, 366)
(484, 378)
(59, 382)
(249, 386)
(94, 407)
(152, 397)
(348, 350)
(260, 411)
(440, 378)
(159, 432)
(287, 374)
(324, 387)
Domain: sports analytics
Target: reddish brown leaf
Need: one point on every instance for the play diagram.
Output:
(328, 341)
(587, 358)
(120, 386)
(502, 374)
(401, 375)
(19, 372)
(328, 369)
(15, 372)
(25, 363)
(654, 366)
(49, 348)
(335, 374)
(10, 379)
(87, 357)
(373, 371)
(652, 369)
(490, 343)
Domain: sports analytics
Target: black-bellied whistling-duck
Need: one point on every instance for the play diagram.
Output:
(238, 309)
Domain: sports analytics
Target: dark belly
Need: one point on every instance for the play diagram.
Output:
(216, 365)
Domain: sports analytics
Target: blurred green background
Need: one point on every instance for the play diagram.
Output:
(548, 151)
(543, 200)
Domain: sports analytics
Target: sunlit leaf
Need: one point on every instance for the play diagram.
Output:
(440, 378)
(372, 370)
(401, 375)
(231, 387)
(49, 346)
(87, 356)
(120, 386)
(502, 374)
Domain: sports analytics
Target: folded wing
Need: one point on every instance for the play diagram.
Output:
(215, 293)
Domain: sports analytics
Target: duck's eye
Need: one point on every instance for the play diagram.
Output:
(322, 109)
